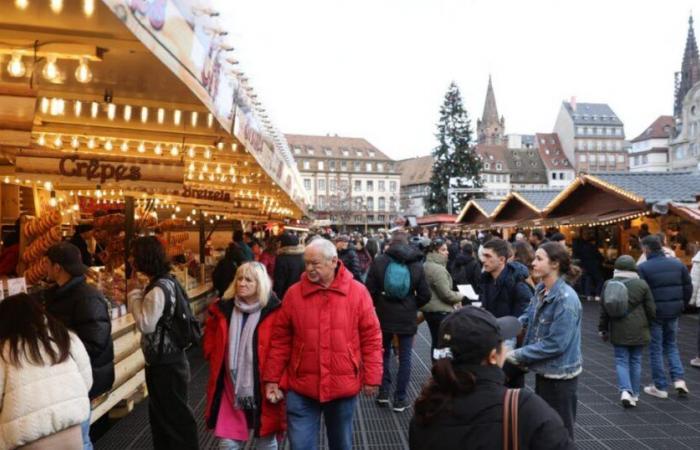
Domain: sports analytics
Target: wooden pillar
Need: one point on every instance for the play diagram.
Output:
(202, 238)
(128, 229)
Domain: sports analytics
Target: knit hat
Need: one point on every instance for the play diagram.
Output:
(289, 240)
(626, 262)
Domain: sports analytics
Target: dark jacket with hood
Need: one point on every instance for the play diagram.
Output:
(509, 294)
(351, 262)
(633, 328)
(670, 284)
(83, 309)
(225, 269)
(288, 267)
(475, 420)
(398, 316)
(466, 270)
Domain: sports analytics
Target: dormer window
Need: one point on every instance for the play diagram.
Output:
(371, 154)
(487, 166)
(499, 166)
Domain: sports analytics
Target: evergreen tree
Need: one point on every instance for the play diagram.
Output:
(454, 156)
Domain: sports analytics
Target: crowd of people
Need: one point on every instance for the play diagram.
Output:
(304, 324)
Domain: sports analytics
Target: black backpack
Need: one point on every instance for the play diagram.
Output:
(184, 328)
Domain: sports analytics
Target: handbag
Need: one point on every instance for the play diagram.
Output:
(511, 440)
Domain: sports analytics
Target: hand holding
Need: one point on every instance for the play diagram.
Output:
(370, 391)
(273, 393)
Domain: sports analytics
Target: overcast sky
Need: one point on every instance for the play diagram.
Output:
(379, 69)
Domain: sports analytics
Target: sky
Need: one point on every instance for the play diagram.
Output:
(379, 69)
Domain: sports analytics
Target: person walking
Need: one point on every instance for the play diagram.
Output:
(363, 257)
(443, 299)
(236, 344)
(289, 264)
(695, 300)
(348, 255)
(225, 269)
(504, 287)
(398, 287)
(462, 405)
(45, 377)
(552, 343)
(269, 256)
(626, 309)
(591, 260)
(326, 346)
(83, 310)
(467, 269)
(167, 368)
(672, 288)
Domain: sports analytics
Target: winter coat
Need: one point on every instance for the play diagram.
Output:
(695, 279)
(267, 259)
(442, 297)
(633, 328)
(365, 260)
(467, 270)
(288, 268)
(246, 250)
(475, 420)
(589, 257)
(83, 309)
(398, 316)
(670, 284)
(9, 259)
(224, 273)
(351, 262)
(509, 294)
(327, 340)
(268, 418)
(79, 242)
(39, 401)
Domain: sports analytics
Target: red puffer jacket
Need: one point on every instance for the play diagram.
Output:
(269, 418)
(326, 340)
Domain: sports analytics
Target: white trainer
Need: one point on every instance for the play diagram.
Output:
(680, 387)
(627, 400)
(651, 390)
(695, 362)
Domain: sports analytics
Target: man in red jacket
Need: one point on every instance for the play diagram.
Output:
(327, 340)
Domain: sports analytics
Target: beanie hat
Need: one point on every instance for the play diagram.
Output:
(625, 262)
(289, 240)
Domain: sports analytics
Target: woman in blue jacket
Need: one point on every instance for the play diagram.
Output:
(552, 345)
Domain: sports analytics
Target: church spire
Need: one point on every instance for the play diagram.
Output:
(690, 70)
(490, 128)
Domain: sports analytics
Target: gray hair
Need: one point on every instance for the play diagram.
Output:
(326, 247)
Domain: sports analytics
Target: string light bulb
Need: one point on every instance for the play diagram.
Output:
(74, 142)
(127, 113)
(108, 145)
(177, 117)
(56, 6)
(161, 116)
(194, 116)
(174, 151)
(91, 143)
(58, 142)
(158, 150)
(141, 148)
(125, 146)
(111, 111)
(77, 108)
(16, 67)
(83, 74)
(207, 154)
(88, 7)
(94, 109)
(191, 152)
(50, 71)
(144, 114)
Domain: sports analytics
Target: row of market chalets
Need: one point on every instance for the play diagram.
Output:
(615, 209)
(132, 118)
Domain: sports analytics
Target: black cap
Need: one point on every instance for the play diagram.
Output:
(470, 333)
(67, 256)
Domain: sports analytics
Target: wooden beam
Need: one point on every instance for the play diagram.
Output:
(104, 403)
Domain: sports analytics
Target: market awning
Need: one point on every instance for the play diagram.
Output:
(476, 213)
(688, 211)
(522, 207)
(436, 219)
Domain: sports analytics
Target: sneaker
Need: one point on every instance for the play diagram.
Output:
(680, 387)
(651, 390)
(635, 398)
(382, 399)
(695, 362)
(627, 400)
(401, 405)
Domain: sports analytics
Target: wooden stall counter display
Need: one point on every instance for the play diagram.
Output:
(37, 234)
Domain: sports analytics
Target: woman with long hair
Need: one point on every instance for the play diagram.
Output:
(236, 343)
(552, 344)
(462, 405)
(524, 254)
(45, 377)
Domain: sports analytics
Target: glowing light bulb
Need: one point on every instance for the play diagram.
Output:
(191, 152)
(194, 212)
(108, 145)
(158, 150)
(22, 4)
(52, 202)
(56, 6)
(45, 103)
(177, 209)
(88, 7)
(201, 177)
(205, 168)
(144, 114)
(125, 146)
(220, 145)
(50, 71)
(218, 169)
(194, 116)
(177, 117)
(91, 143)
(48, 186)
(174, 151)
(83, 74)
(74, 142)
(234, 147)
(127, 113)
(207, 154)
(77, 108)
(161, 116)
(94, 109)
(16, 67)
(210, 120)
(191, 167)
(57, 106)
(141, 148)
(111, 111)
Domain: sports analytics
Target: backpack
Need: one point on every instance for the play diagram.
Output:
(397, 280)
(615, 299)
(184, 328)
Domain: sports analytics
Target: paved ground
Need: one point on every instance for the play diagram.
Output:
(601, 423)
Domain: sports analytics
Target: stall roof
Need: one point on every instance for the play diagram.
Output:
(477, 211)
(523, 205)
(434, 219)
(655, 187)
(690, 212)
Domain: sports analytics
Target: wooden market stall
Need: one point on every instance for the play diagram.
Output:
(143, 117)
(522, 209)
(476, 214)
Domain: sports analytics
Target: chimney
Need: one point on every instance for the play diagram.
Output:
(572, 102)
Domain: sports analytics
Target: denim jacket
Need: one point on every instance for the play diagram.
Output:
(552, 345)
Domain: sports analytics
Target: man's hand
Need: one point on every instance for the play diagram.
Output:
(273, 392)
(603, 335)
(370, 391)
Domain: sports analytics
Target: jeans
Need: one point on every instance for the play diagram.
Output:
(85, 430)
(405, 348)
(434, 320)
(663, 345)
(628, 365)
(304, 421)
(172, 422)
(261, 443)
(561, 396)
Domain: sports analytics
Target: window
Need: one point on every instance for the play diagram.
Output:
(321, 165)
(321, 185)
(356, 166)
(561, 175)
(307, 184)
(343, 165)
(370, 186)
(327, 151)
(601, 158)
(345, 151)
(321, 202)
(554, 176)
(645, 159)
(487, 166)
(381, 218)
(380, 167)
(579, 130)
(371, 154)
(582, 158)
(358, 153)
(307, 164)
(618, 145)
(297, 150)
(370, 203)
(358, 185)
(499, 166)
(331, 165)
(392, 186)
(618, 131)
(611, 158)
(333, 185)
(620, 158)
(381, 185)
(368, 166)
(381, 203)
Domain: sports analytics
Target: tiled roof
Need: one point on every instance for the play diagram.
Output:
(549, 148)
(488, 205)
(526, 166)
(592, 114)
(333, 147)
(659, 129)
(415, 170)
(656, 186)
(492, 155)
(539, 198)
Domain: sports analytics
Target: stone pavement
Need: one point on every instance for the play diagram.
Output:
(602, 423)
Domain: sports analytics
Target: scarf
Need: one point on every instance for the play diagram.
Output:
(240, 352)
(625, 274)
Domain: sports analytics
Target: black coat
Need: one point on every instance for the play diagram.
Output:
(83, 309)
(398, 316)
(351, 262)
(509, 294)
(475, 420)
(224, 273)
(670, 284)
(79, 242)
(289, 266)
(466, 270)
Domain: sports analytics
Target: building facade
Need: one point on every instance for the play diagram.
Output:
(650, 150)
(689, 75)
(560, 172)
(592, 137)
(349, 180)
(415, 184)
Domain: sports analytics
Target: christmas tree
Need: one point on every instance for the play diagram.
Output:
(454, 157)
